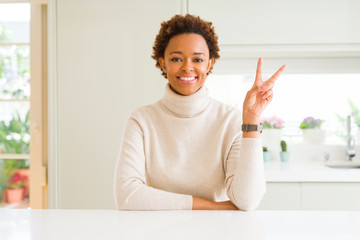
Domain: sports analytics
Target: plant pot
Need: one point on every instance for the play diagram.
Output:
(314, 135)
(271, 138)
(15, 195)
(284, 156)
(267, 156)
(25, 172)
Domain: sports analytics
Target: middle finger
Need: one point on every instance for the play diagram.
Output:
(277, 74)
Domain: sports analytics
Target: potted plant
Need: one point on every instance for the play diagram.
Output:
(312, 132)
(15, 188)
(14, 135)
(266, 154)
(15, 138)
(271, 134)
(284, 154)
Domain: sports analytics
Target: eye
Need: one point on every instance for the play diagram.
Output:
(198, 60)
(175, 59)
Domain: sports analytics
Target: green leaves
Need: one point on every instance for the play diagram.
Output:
(311, 122)
(355, 112)
(283, 146)
(5, 33)
(15, 136)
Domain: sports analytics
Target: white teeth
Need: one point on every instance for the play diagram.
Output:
(187, 78)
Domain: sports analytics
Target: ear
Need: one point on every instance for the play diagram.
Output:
(210, 64)
(162, 64)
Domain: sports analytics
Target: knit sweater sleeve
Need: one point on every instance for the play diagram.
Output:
(131, 191)
(245, 177)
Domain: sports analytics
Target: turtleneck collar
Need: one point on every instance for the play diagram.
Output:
(186, 106)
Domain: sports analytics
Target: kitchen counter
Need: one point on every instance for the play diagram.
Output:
(113, 224)
(309, 172)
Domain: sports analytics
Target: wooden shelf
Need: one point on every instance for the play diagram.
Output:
(14, 156)
(15, 100)
(7, 44)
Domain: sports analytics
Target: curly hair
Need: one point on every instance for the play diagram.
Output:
(185, 24)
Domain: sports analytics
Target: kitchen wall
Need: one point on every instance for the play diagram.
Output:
(104, 71)
(101, 70)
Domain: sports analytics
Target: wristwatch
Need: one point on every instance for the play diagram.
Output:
(252, 128)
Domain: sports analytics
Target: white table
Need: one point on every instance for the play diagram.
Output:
(113, 224)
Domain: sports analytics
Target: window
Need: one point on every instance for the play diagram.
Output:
(297, 96)
(14, 99)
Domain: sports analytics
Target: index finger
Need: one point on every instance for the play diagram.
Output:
(258, 78)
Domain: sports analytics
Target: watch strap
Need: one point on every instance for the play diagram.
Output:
(252, 128)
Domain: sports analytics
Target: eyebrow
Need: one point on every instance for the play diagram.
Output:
(195, 53)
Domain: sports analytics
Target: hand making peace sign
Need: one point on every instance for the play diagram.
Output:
(259, 96)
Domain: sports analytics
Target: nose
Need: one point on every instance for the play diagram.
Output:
(188, 66)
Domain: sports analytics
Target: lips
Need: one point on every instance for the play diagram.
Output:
(187, 79)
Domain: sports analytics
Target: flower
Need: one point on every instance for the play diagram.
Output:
(311, 122)
(272, 122)
(16, 181)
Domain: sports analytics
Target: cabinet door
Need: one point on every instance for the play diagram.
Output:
(281, 22)
(281, 196)
(330, 196)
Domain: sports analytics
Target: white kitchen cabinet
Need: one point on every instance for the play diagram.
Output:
(330, 196)
(283, 28)
(281, 21)
(281, 196)
(311, 196)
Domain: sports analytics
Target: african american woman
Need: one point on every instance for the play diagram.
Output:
(188, 150)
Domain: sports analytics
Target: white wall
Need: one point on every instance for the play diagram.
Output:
(102, 70)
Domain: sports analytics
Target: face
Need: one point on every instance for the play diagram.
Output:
(186, 63)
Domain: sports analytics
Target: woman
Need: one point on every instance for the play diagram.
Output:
(188, 151)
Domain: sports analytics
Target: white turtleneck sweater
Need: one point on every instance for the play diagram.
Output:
(184, 146)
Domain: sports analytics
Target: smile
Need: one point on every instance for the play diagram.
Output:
(187, 79)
